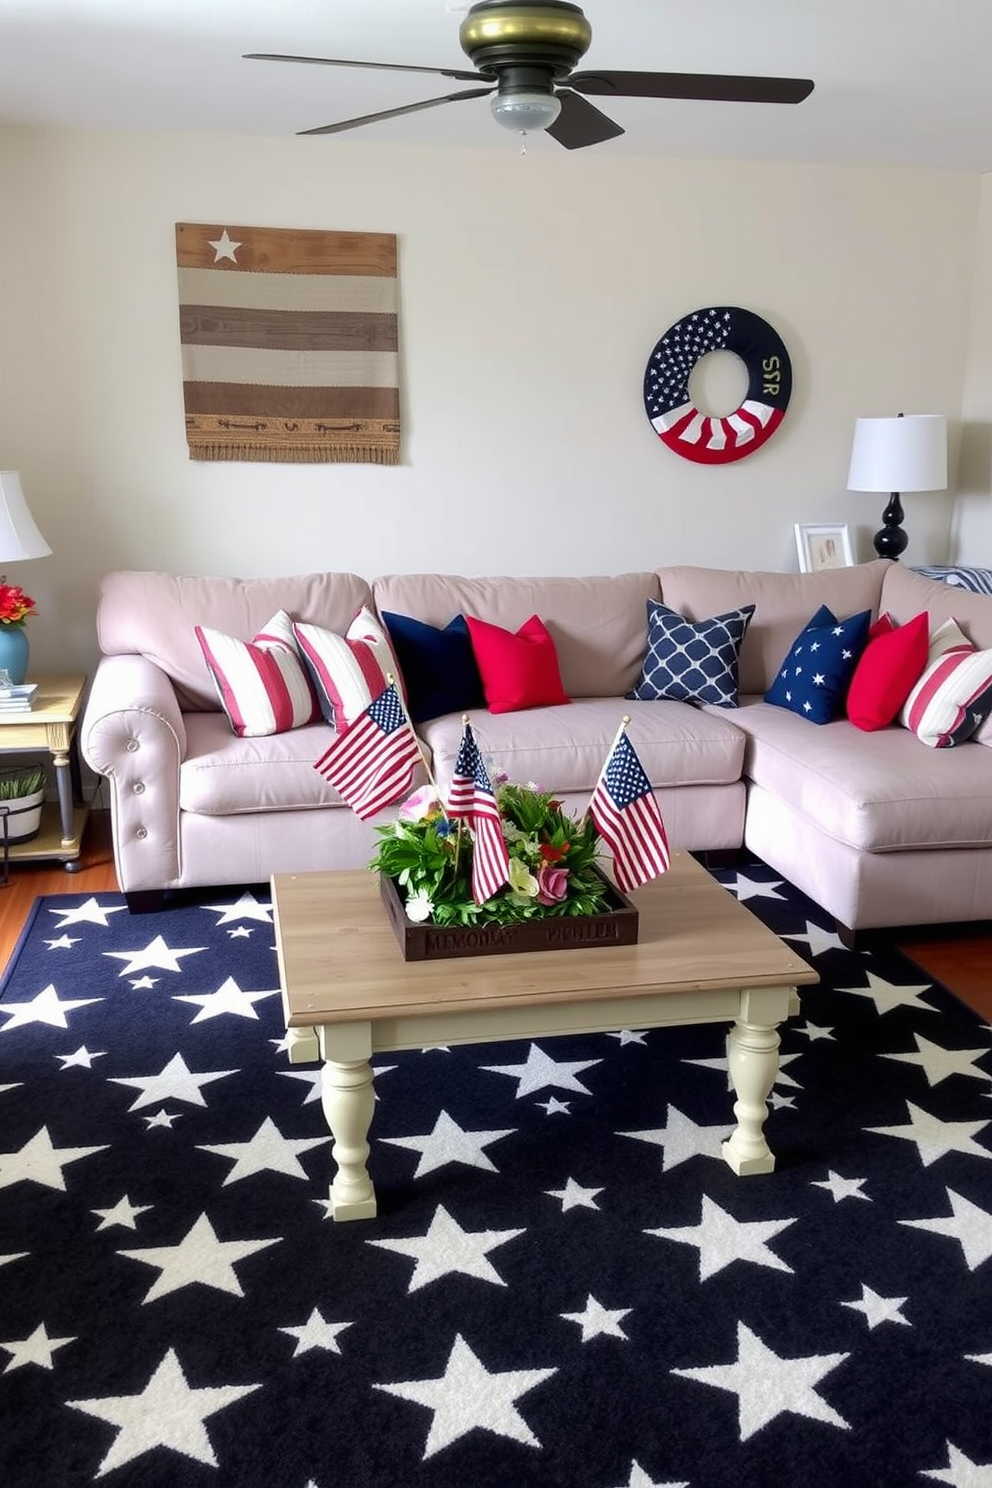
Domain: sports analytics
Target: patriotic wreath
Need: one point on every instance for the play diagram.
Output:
(679, 424)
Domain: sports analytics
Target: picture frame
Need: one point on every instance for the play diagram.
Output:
(823, 545)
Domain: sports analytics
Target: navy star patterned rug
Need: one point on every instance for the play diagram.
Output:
(566, 1287)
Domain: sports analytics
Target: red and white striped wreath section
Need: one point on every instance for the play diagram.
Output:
(674, 417)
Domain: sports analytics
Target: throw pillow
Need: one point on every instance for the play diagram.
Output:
(439, 667)
(890, 666)
(692, 661)
(348, 671)
(814, 677)
(262, 684)
(953, 697)
(518, 670)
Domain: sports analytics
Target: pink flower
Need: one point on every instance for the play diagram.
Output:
(421, 806)
(552, 884)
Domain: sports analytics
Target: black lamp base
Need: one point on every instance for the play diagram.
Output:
(891, 539)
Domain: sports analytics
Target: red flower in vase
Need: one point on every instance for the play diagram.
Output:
(15, 605)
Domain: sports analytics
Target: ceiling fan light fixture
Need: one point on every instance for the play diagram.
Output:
(525, 111)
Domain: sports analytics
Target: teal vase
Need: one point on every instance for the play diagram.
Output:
(14, 652)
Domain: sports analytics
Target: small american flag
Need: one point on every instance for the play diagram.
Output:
(373, 762)
(473, 798)
(628, 818)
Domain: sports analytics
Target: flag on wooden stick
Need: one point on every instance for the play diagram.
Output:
(628, 818)
(473, 799)
(289, 344)
(373, 763)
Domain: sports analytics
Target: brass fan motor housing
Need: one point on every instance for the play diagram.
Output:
(499, 34)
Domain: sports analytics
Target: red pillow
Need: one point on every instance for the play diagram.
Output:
(890, 667)
(518, 671)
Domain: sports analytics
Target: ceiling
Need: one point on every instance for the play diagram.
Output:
(904, 82)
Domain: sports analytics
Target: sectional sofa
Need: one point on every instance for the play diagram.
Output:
(877, 828)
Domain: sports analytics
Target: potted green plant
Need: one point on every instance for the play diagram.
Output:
(22, 792)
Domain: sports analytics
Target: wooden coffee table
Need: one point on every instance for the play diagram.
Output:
(347, 994)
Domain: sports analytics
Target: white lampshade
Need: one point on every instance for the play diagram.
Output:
(19, 537)
(907, 453)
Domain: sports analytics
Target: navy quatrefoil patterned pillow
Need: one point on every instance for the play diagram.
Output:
(692, 661)
(815, 675)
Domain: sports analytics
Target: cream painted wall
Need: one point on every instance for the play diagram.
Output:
(971, 540)
(533, 289)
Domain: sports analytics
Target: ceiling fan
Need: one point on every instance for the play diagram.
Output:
(526, 55)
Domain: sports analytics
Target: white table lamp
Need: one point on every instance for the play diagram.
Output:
(19, 537)
(906, 453)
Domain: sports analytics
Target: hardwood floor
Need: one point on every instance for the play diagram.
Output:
(959, 957)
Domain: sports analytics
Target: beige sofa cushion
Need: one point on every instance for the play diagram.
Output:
(564, 748)
(153, 615)
(783, 604)
(599, 625)
(877, 792)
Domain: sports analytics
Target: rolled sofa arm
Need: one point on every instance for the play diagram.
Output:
(133, 734)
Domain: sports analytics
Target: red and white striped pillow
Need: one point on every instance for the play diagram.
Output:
(262, 684)
(954, 694)
(348, 671)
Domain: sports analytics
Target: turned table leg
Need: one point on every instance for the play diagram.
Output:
(348, 1101)
(752, 1054)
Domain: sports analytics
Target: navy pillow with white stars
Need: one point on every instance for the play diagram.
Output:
(815, 675)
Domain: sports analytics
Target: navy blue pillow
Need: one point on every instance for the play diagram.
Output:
(439, 667)
(693, 661)
(815, 675)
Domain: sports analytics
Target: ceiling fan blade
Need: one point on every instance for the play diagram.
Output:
(580, 123)
(712, 87)
(452, 72)
(409, 108)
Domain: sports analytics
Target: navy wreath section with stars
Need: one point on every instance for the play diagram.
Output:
(566, 1286)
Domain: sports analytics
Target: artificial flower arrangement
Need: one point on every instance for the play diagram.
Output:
(552, 859)
(15, 605)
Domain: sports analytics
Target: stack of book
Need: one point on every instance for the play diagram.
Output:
(17, 698)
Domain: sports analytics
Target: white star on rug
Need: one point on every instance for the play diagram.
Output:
(723, 1063)
(15, 1085)
(228, 998)
(878, 1309)
(574, 1196)
(246, 908)
(63, 943)
(540, 1070)
(311, 1078)
(316, 1333)
(722, 1239)
(980, 1358)
(960, 1471)
(39, 1162)
(156, 954)
(448, 1143)
(467, 1397)
(597, 1321)
(15, 1255)
(970, 1226)
(123, 1213)
(37, 1348)
(92, 912)
(224, 247)
(766, 1385)
(842, 1188)
(144, 984)
(812, 1031)
(938, 1063)
(83, 1057)
(241, 932)
(887, 996)
(681, 1139)
(199, 1257)
(168, 1412)
(162, 1118)
(554, 1107)
(175, 1082)
(818, 940)
(753, 888)
(46, 1007)
(627, 1037)
(268, 1151)
(935, 1138)
(639, 1479)
(447, 1249)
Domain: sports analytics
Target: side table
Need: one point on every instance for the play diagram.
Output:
(50, 727)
